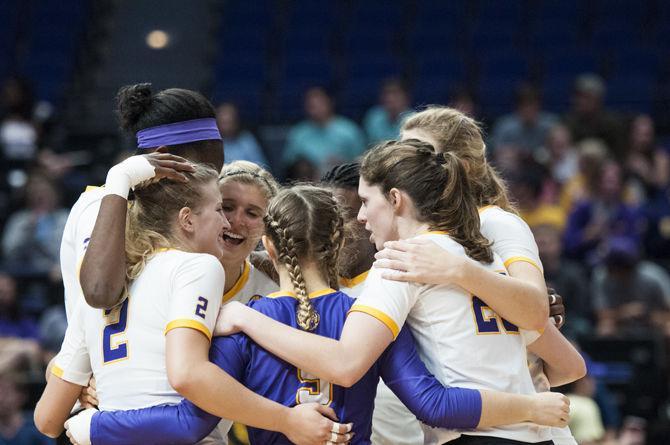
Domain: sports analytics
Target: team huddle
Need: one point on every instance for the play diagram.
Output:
(180, 324)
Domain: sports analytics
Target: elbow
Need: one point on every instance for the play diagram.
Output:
(537, 323)
(45, 424)
(537, 320)
(180, 378)
(347, 377)
(578, 370)
(100, 296)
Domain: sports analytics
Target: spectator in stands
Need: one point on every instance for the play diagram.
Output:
(18, 133)
(601, 216)
(527, 186)
(647, 163)
(383, 121)
(592, 158)
(627, 301)
(18, 332)
(528, 126)
(559, 154)
(589, 119)
(17, 427)
(31, 241)
(324, 139)
(565, 276)
(239, 144)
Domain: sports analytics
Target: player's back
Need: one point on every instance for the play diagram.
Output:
(127, 343)
(465, 343)
(278, 380)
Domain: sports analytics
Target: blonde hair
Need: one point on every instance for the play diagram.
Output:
(306, 224)
(456, 133)
(438, 186)
(152, 213)
(246, 172)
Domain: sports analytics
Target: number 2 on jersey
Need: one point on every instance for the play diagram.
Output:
(116, 319)
(487, 321)
(201, 308)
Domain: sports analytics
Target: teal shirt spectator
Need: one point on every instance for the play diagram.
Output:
(340, 140)
(244, 147)
(380, 127)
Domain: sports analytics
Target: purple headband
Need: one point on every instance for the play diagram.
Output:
(179, 133)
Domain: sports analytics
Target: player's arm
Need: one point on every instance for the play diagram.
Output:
(367, 331)
(342, 362)
(520, 298)
(103, 270)
(180, 424)
(55, 405)
(563, 364)
(71, 371)
(452, 407)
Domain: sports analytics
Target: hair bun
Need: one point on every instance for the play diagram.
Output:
(132, 102)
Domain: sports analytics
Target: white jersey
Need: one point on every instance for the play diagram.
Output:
(76, 236)
(124, 347)
(460, 339)
(253, 283)
(514, 241)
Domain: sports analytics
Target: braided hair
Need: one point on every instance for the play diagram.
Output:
(306, 225)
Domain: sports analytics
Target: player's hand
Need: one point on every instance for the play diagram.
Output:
(556, 308)
(78, 428)
(89, 397)
(168, 166)
(315, 424)
(550, 409)
(230, 318)
(418, 260)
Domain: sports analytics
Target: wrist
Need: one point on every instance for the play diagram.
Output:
(244, 320)
(530, 408)
(463, 272)
(127, 174)
(282, 421)
(117, 182)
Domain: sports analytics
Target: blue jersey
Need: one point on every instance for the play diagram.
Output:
(275, 379)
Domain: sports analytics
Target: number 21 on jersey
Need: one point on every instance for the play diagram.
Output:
(114, 342)
(488, 322)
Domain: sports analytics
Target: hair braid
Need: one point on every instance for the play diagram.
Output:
(334, 246)
(308, 318)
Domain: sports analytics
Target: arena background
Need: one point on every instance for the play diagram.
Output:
(574, 97)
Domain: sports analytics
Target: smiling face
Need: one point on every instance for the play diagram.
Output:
(209, 222)
(377, 213)
(244, 206)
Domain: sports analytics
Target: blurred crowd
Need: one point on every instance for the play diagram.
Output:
(593, 185)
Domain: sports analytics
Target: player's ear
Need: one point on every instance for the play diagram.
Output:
(270, 248)
(185, 220)
(396, 198)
